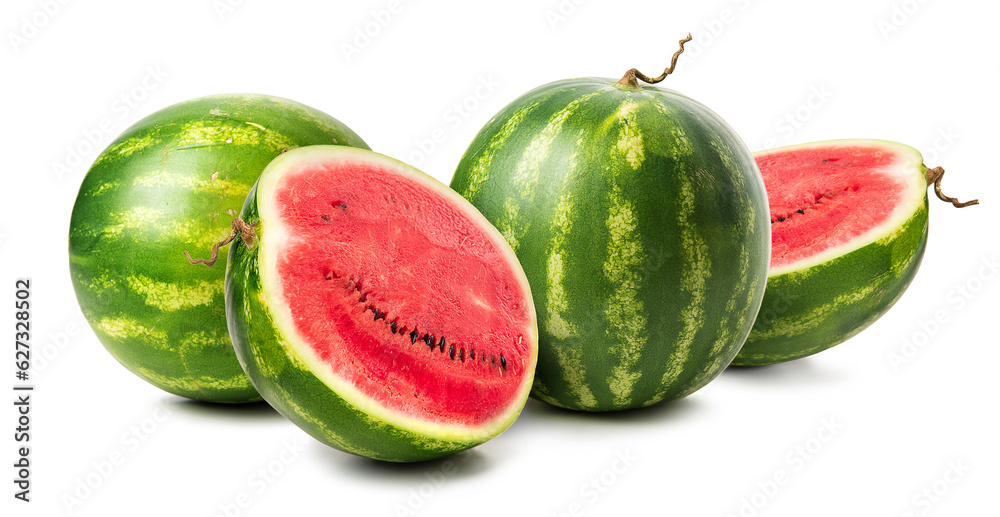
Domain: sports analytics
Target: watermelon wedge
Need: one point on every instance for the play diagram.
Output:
(377, 309)
(848, 231)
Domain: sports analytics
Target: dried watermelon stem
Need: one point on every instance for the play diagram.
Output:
(633, 76)
(240, 228)
(934, 176)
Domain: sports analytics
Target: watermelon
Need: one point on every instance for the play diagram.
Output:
(640, 219)
(172, 182)
(376, 308)
(849, 228)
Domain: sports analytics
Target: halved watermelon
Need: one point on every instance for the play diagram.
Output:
(848, 230)
(377, 309)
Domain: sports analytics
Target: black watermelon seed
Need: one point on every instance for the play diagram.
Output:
(413, 336)
(472, 354)
(451, 352)
(427, 340)
(431, 346)
(441, 344)
(493, 360)
(461, 355)
(392, 326)
(781, 219)
(376, 314)
(503, 362)
(343, 206)
(801, 211)
(324, 217)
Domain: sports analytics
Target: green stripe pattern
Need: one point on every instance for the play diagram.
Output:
(641, 221)
(173, 182)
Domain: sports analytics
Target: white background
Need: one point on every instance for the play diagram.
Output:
(926, 76)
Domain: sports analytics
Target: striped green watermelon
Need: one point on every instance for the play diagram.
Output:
(640, 220)
(377, 309)
(173, 182)
(849, 227)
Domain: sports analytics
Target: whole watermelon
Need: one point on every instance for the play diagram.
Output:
(172, 183)
(641, 222)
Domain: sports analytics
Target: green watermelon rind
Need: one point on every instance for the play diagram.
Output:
(654, 301)
(819, 302)
(289, 375)
(172, 183)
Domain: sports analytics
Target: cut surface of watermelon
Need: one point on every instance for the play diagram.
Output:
(831, 197)
(378, 310)
(424, 321)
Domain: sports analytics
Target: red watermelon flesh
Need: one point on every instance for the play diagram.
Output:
(829, 196)
(401, 294)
